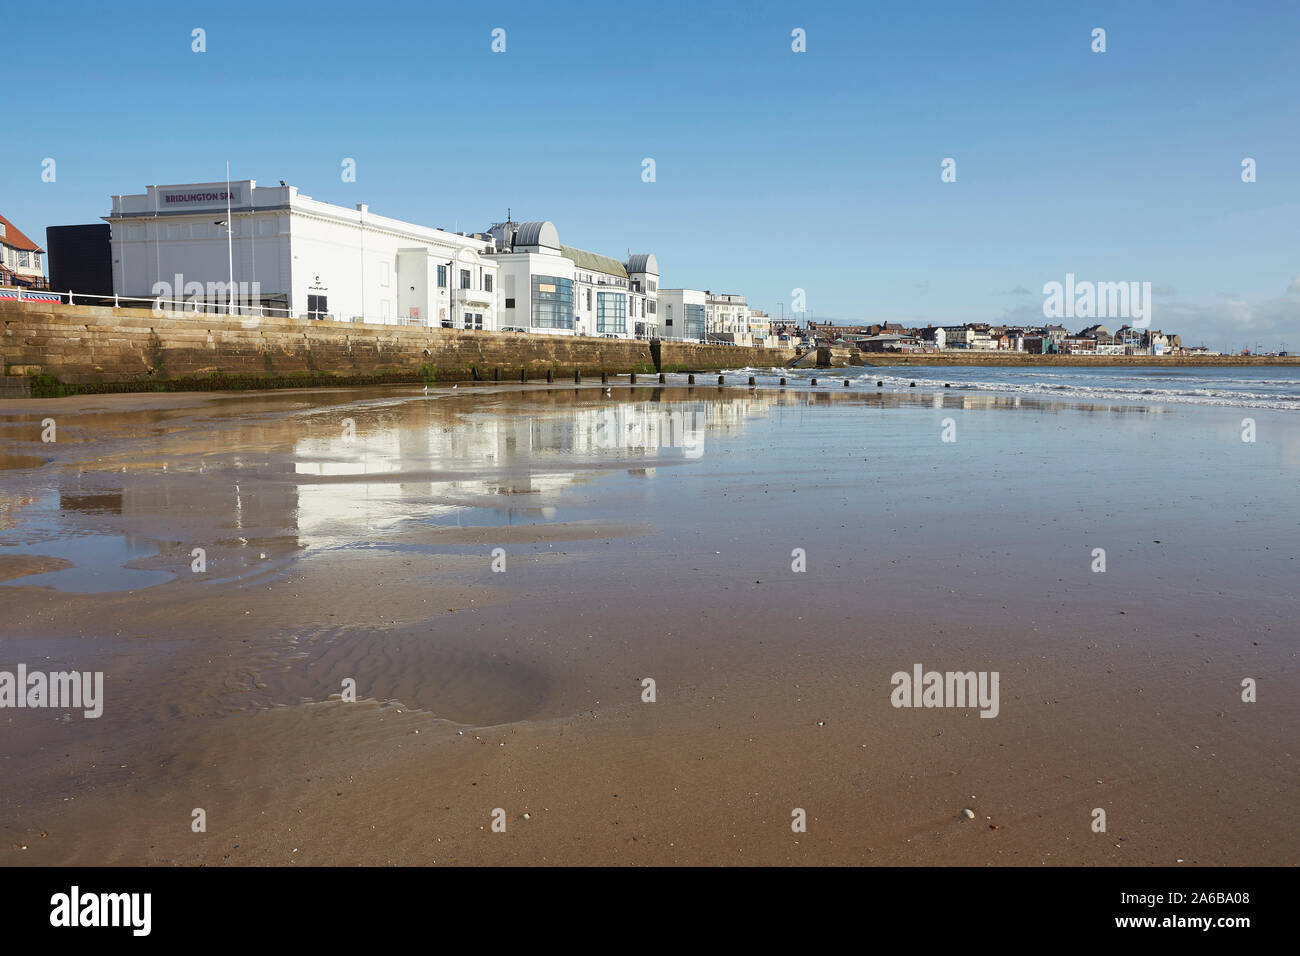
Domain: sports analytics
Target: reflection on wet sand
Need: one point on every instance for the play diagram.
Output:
(316, 469)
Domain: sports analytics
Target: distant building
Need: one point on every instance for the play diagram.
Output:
(933, 337)
(959, 336)
(20, 258)
(550, 288)
(759, 325)
(727, 315)
(682, 314)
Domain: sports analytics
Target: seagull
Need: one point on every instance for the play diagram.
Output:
(455, 386)
(426, 390)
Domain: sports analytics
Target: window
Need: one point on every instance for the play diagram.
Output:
(693, 321)
(36, 259)
(464, 278)
(611, 312)
(588, 300)
(478, 320)
(24, 259)
(442, 277)
(510, 303)
(487, 282)
(552, 302)
(469, 320)
(652, 306)
(316, 307)
(652, 285)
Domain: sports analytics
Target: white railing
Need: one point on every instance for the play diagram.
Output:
(183, 307)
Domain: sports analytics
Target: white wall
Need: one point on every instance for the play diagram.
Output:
(285, 241)
(515, 272)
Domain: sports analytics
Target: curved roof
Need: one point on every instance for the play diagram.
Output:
(643, 262)
(539, 233)
(596, 263)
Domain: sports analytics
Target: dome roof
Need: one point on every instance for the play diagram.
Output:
(539, 233)
(643, 262)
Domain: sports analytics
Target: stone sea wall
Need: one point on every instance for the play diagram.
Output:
(59, 350)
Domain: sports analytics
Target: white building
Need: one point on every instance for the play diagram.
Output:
(726, 316)
(290, 254)
(536, 278)
(682, 314)
(759, 325)
(643, 274)
(20, 258)
(551, 288)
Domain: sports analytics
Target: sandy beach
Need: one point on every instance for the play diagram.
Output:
(651, 532)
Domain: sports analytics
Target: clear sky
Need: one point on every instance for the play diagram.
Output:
(774, 170)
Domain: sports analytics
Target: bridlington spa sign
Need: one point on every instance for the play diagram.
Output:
(200, 197)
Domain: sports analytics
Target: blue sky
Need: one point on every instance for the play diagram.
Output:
(775, 170)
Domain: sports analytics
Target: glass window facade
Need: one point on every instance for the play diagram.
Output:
(442, 277)
(693, 321)
(611, 312)
(552, 303)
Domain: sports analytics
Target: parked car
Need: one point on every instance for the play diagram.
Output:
(513, 328)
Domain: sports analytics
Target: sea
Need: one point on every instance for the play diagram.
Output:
(1227, 386)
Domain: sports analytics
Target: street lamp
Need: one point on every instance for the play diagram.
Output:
(230, 265)
(230, 245)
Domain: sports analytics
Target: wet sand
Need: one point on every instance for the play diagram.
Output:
(369, 558)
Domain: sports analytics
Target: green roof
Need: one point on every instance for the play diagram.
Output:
(590, 260)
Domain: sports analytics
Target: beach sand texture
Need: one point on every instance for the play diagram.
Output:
(649, 533)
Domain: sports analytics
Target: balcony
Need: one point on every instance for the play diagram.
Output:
(474, 297)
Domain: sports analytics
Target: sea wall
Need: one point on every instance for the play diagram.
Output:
(60, 349)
